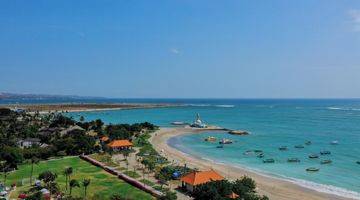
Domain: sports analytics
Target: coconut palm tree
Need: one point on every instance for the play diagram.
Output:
(67, 172)
(34, 160)
(85, 183)
(73, 183)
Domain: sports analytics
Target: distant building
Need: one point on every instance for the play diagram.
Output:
(198, 123)
(191, 180)
(118, 145)
(28, 142)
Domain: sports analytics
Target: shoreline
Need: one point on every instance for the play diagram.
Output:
(273, 187)
(83, 107)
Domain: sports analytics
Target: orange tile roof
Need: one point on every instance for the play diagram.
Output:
(120, 143)
(104, 139)
(197, 178)
(233, 195)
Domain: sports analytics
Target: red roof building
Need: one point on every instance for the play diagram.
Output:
(120, 144)
(196, 178)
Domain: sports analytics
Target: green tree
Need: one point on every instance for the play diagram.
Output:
(73, 183)
(49, 179)
(67, 172)
(85, 183)
(33, 160)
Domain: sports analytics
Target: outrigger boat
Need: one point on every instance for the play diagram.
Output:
(293, 160)
(283, 148)
(225, 141)
(248, 152)
(220, 146)
(326, 161)
(269, 160)
(308, 142)
(258, 151)
(335, 142)
(178, 123)
(261, 155)
(312, 169)
(325, 152)
(313, 156)
(210, 139)
(299, 146)
(358, 162)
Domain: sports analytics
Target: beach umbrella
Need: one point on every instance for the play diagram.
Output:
(3, 193)
(45, 191)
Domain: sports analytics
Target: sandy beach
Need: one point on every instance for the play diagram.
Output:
(274, 188)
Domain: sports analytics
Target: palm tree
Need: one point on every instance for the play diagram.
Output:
(85, 183)
(67, 172)
(34, 160)
(73, 183)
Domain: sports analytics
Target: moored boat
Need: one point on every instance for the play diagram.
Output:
(248, 152)
(220, 146)
(283, 148)
(299, 146)
(312, 169)
(226, 141)
(308, 142)
(269, 160)
(325, 152)
(293, 160)
(178, 123)
(210, 139)
(326, 161)
(261, 155)
(258, 151)
(358, 162)
(335, 142)
(313, 156)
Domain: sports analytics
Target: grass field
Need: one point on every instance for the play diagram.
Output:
(103, 185)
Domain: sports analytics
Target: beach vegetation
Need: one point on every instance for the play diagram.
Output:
(221, 190)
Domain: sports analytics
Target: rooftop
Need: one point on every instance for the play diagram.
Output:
(120, 143)
(197, 178)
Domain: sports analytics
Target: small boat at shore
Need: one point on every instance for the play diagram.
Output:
(283, 148)
(293, 160)
(269, 160)
(313, 156)
(225, 141)
(178, 123)
(308, 142)
(326, 161)
(325, 152)
(210, 139)
(312, 169)
(299, 146)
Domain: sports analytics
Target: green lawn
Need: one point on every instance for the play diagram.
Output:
(103, 185)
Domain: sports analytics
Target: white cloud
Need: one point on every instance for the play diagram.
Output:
(355, 19)
(175, 51)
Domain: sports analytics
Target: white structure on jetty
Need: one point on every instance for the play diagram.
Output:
(198, 123)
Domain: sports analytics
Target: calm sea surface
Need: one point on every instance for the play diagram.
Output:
(272, 123)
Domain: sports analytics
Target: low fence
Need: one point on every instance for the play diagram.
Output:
(123, 176)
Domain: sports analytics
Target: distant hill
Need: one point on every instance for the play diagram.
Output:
(6, 95)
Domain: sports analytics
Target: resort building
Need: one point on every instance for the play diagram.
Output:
(198, 123)
(118, 145)
(191, 180)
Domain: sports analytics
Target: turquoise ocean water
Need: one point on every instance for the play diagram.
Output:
(272, 123)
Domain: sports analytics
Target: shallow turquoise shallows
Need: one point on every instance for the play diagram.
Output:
(272, 123)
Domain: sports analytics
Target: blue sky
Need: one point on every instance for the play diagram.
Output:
(181, 48)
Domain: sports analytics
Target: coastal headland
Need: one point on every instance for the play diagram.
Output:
(274, 188)
(81, 107)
